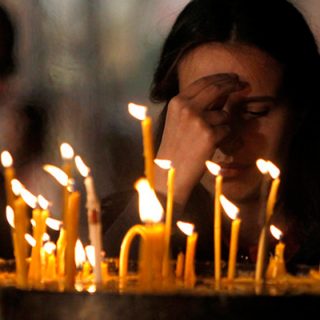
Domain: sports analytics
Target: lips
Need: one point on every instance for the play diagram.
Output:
(231, 170)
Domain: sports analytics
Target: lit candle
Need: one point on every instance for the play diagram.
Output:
(215, 170)
(39, 217)
(71, 220)
(232, 211)
(9, 174)
(94, 216)
(140, 113)
(50, 273)
(277, 267)
(166, 164)
(152, 234)
(192, 237)
(266, 166)
(21, 223)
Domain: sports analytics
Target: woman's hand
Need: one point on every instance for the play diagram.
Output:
(195, 125)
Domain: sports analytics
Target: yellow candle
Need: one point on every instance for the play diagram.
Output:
(233, 248)
(232, 211)
(50, 270)
(180, 265)
(71, 226)
(86, 271)
(61, 247)
(35, 270)
(9, 174)
(139, 112)
(125, 247)
(166, 164)
(272, 197)
(189, 268)
(21, 222)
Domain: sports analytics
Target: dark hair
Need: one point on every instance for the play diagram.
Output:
(279, 29)
(7, 36)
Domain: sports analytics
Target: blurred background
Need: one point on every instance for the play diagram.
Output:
(79, 63)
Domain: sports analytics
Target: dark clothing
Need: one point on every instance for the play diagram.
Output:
(120, 213)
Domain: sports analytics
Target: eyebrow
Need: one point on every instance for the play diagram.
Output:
(261, 99)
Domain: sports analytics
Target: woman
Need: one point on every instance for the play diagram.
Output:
(239, 82)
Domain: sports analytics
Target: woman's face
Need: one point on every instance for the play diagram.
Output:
(260, 125)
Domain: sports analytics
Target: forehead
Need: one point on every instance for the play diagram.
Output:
(251, 64)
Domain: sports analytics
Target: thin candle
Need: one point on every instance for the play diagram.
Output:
(140, 113)
(232, 211)
(192, 237)
(94, 216)
(9, 175)
(166, 165)
(215, 170)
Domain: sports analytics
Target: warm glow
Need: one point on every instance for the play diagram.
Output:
(82, 167)
(91, 255)
(230, 209)
(6, 159)
(43, 202)
(49, 247)
(10, 216)
(137, 111)
(149, 206)
(277, 233)
(163, 164)
(53, 224)
(57, 173)
(273, 170)
(213, 167)
(33, 222)
(92, 288)
(29, 198)
(30, 239)
(262, 166)
(16, 186)
(185, 227)
(66, 151)
(80, 254)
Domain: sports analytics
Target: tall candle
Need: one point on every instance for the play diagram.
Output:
(180, 265)
(166, 164)
(232, 211)
(140, 112)
(262, 245)
(9, 175)
(94, 216)
(192, 237)
(71, 226)
(215, 170)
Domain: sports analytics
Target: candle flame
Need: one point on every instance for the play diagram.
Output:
(92, 288)
(30, 239)
(33, 222)
(273, 170)
(57, 173)
(163, 164)
(49, 247)
(10, 216)
(277, 233)
(29, 198)
(66, 151)
(43, 202)
(214, 168)
(82, 167)
(53, 224)
(149, 206)
(6, 159)
(91, 255)
(262, 165)
(137, 111)
(45, 237)
(185, 227)
(16, 186)
(230, 209)
(80, 254)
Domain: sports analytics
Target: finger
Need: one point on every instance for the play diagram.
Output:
(219, 79)
(216, 117)
(235, 98)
